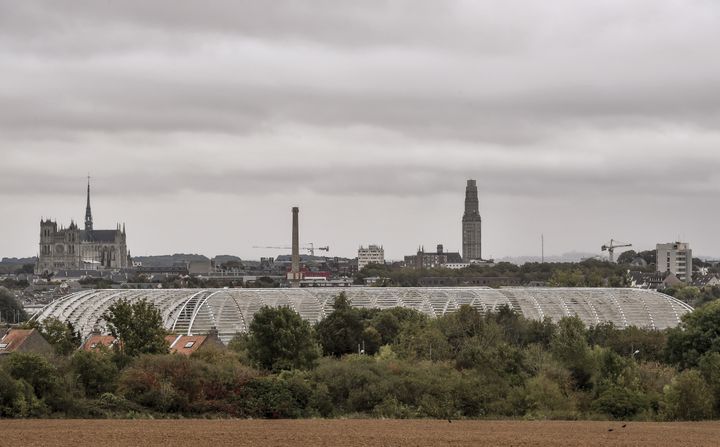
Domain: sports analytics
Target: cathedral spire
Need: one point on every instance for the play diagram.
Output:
(88, 212)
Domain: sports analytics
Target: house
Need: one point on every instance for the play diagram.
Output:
(654, 280)
(188, 344)
(24, 340)
(97, 342)
(706, 281)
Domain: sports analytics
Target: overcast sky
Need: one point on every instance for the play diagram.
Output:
(202, 123)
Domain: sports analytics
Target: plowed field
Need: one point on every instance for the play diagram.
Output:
(214, 433)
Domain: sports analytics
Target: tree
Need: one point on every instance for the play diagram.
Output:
(570, 347)
(341, 332)
(95, 371)
(626, 257)
(697, 335)
(687, 398)
(279, 339)
(10, 309)
(138, 326)
(62, 336)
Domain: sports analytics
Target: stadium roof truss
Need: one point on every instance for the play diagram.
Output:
(230, 311)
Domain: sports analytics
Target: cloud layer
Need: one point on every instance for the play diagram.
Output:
(579, 107)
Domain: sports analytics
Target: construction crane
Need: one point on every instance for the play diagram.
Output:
(611, 248)
(310, 248)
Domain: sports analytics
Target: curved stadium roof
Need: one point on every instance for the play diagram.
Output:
(196, 311)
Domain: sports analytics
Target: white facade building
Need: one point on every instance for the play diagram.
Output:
(373, 254)
(675, 257)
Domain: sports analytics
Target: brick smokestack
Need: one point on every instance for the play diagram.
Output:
(295, 248)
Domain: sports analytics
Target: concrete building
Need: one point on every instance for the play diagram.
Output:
(75, 249)
(471, 224)
(373, 254)
(675, 257)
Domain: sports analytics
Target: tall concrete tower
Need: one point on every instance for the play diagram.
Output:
(471, 224)
(295, 270)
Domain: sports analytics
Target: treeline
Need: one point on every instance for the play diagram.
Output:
(588, 273)
(394, 363)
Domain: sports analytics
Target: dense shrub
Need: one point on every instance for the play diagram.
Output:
(687, 398)
(96, 372)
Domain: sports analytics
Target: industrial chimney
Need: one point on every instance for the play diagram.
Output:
(295, 272)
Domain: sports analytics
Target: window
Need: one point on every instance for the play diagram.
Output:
(189, 344)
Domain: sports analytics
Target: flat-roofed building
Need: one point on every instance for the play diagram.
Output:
(675, 257)
(372, 254)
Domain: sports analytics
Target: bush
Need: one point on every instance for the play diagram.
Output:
(280, 339)
(273, 398)
(95, 371)
(687, 398)
(620, 402)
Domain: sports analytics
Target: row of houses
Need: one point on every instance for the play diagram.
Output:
(31, 341)
(663, 280)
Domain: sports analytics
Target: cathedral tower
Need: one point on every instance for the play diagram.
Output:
(88, 212)
(471, 224)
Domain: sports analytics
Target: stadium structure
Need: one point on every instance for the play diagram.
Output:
(230, 311)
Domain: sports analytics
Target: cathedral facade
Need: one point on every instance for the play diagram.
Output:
(73, 248)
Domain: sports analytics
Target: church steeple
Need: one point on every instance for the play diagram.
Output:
(88, 212)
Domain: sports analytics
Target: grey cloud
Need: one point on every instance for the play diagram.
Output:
(382, 101)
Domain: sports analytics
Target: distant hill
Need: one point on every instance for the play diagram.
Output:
(566, 257)
(222, 259)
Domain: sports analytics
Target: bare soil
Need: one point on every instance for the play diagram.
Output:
(300, 433)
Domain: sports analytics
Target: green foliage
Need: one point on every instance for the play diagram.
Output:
(466, 364)
(570, 347)
(138, 326)
(274, 398)
(35, 370)
(96, 372)
(280, 339)
(17, 398)
(341, 332)
(62, 336)
(620, 402)
(697, 335)
(10, 309)
(687, 398)
(709, 367)
(625, 342)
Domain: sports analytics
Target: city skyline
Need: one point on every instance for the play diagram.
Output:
(203, 126)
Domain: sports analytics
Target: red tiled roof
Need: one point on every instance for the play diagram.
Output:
(185, 344)
(13, 339)
(96, 342)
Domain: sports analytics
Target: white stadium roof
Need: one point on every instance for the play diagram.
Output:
(196, 311)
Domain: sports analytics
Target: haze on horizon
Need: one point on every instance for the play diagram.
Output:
(203, 123)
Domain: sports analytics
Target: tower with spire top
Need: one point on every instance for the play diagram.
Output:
(88, 211)
(471, 224)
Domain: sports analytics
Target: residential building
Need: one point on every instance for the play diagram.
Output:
(24, 340)
(675, 257)
(98, 342)
(188, 344)
(654, 280)
(373, 254)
